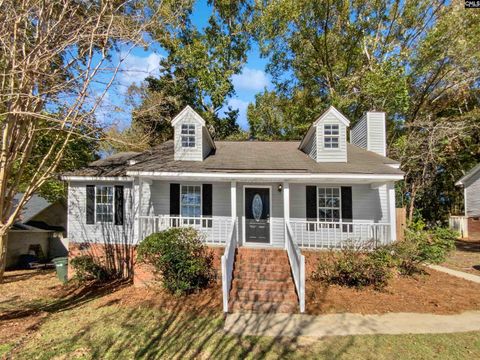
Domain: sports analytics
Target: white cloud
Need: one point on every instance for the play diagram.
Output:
(135, 69)
(241, 105)
(250, 79)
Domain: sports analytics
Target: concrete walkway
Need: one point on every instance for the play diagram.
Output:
(294, 325)
(460, 274)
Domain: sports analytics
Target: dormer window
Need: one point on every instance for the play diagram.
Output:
(188, 135)
(331, 136)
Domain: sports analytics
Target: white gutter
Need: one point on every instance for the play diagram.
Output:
(96, 178)
(268, 176)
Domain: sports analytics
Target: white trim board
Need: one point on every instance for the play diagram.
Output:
(265, 176)
(254, 244)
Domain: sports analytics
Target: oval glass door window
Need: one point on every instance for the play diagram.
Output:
(257, 207)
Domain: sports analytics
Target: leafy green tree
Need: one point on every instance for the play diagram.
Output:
(197, 71)
(415, 60)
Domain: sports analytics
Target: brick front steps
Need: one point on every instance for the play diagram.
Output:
(262, 282)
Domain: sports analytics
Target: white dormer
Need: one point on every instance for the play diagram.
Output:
(326, 140)
(191, 137)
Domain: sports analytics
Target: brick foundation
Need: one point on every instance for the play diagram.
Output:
(474, 228)
(122, 258)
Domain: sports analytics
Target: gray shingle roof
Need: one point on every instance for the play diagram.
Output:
(242, 157)
(34, 206)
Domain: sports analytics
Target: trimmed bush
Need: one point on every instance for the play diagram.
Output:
(352, 268)
(180, 257)
(87, 269)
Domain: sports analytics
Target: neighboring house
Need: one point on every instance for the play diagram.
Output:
(469, 225)
(311, 194)
(41, 224)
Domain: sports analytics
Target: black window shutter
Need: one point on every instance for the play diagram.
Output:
(311, 202)
(90, 204)
(175, 199)
(207, 204)
(207, 199)
(118, 205)
(347, 212)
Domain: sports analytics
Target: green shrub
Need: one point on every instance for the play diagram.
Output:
(181, 258)
(352, 268)
(406, 257)
(432, 246)
(87, 269)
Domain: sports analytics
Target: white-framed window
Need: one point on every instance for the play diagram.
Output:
(191, 203)
(329, 204)
(331, 136)
(104, 203)
(188, 135)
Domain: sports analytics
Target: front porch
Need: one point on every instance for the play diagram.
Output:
(284, 216)
(263, 210)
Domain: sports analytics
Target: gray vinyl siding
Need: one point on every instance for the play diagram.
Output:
(358, 134)
(376, 133)
(206, 147)
(331, 155)
(159, 203)
(472, 196)
(311, 147)
(370, 133)
(81, 232)
(368, 204)
(188, 154)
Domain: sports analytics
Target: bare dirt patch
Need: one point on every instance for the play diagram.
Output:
(465, 258)
(433, 292)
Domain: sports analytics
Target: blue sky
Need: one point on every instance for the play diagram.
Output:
(140, 63)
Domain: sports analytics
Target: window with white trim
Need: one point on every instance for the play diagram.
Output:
(188, 135)
(329, 206)
(331, 136)
(191, 202)
(104, 203)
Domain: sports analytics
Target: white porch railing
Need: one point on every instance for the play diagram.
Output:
(334, 235)
(460, 224)
(297, 264)
(228, 259)
(216, 229)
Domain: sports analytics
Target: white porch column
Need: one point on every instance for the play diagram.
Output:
(233, 203)
(136, 211)
(392, 211)
(286, 207)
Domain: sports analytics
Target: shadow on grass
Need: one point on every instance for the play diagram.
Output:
(72, 296)
(468, 246)
(127, 323)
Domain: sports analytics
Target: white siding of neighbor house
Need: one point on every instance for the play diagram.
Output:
(472, 196)
(358, 134)
(18, 243)
(331, 155)
(368, 204)
(79, 231)
(370, 133)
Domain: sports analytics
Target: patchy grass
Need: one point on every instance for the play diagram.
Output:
(120, 322)
(466, 257)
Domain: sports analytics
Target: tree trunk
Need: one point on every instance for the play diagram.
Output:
(3, 253)
(411, 205)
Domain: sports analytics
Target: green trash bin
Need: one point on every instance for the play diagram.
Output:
(61, 265)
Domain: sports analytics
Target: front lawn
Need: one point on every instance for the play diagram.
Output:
(466, 257)
(121, 322)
